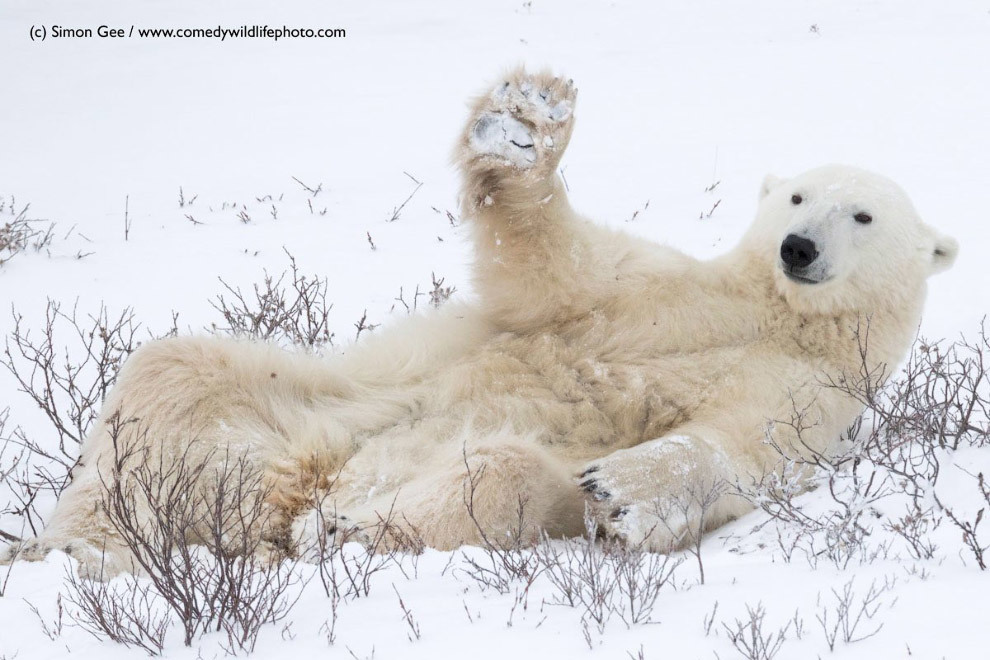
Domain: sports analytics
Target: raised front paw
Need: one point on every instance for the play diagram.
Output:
(522, 124)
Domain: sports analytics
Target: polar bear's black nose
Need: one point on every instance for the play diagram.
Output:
(797, 251)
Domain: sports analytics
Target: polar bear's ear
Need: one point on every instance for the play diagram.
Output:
(944, 252)
(770, 182)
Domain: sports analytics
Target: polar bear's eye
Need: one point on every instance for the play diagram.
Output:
(863, 218)
(796, 199)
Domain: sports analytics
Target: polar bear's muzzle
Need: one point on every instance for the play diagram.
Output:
(798, 256)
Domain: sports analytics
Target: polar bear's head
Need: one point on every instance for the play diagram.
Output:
(842, 239)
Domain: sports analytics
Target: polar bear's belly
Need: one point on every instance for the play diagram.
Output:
(563, 396)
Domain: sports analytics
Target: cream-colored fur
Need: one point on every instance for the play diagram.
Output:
(589, 352)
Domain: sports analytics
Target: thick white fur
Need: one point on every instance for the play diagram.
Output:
(588, 352)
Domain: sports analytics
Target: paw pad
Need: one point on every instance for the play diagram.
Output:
(499, 134)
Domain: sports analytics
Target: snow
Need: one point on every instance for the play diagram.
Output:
(687, 105)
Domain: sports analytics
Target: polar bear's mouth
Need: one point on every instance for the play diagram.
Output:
(802, 279)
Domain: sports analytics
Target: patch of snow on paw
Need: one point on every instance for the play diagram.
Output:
(561, 111)
(499, 134)
(501, 92)
(678, 440)
(543, 102)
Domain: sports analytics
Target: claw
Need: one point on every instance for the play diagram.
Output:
(601, 495)
(589, 486)
(593, 468)
(619, 512)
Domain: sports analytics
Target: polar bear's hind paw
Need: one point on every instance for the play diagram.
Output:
(314, 531)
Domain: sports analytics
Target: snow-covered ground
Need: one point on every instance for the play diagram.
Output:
(181, 137)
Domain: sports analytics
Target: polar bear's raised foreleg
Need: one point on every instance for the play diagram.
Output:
(532, 252)
(537, 263)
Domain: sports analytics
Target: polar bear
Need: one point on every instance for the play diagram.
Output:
(595, 374)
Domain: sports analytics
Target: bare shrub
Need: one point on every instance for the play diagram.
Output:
(329, 626)
(367, 657)
(347, 570)
(839, 533)
(5, 578)
(971, 538)
(641, 576)
(19, 233)
(938, 403)
(605, 578)
(749, 638)
(291, 309)
(401, 299)
(192, 526)
(10, 464)
(915, 528)
(602, 578)
(692, 506)
(440, 293)
(843, 618)
(397, 211)
(407, 616)
(68, 382)
(126, 611)
(451, 218)
(362, 325)
(580, 572)
(359, 565)
(709, 620)
(940, 399)
(66, 370)
(11, 456)
(52, 629)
